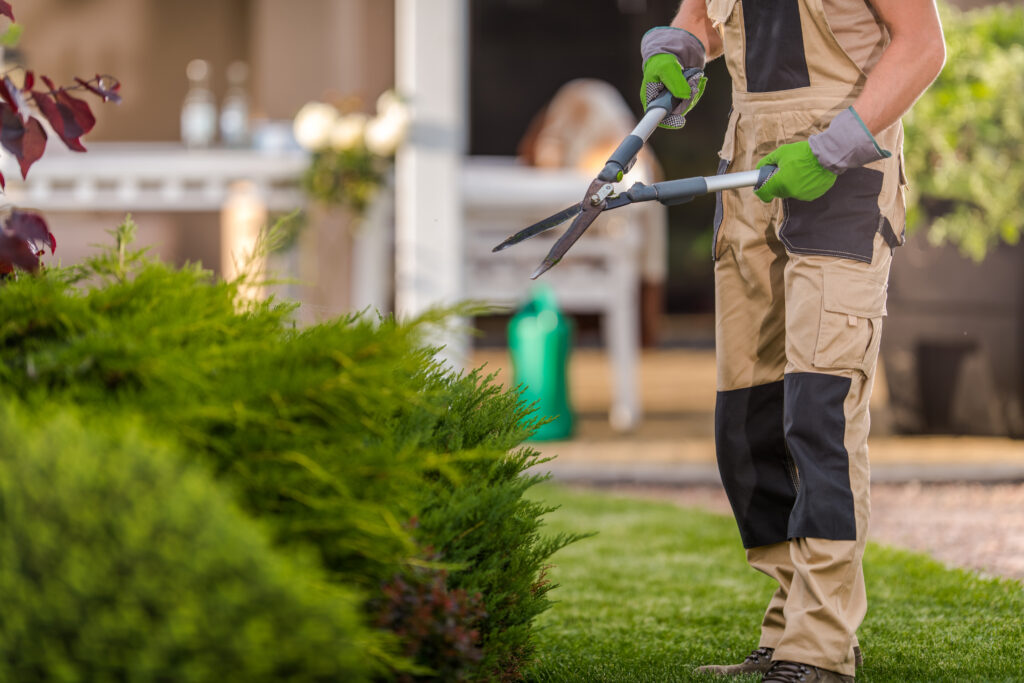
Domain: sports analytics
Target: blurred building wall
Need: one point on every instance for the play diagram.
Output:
(316, 49)
(298, 50)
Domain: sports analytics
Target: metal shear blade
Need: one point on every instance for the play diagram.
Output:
(541, 226)
(589, 212)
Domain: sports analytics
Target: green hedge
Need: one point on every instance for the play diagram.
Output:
(118, 562)
(345, 437)
(965, 136)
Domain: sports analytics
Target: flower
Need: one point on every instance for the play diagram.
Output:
(383, 135)
(348, 131)
(351, 152)
(313, 125)
(385, 132)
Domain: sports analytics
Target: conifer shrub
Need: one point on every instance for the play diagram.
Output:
(964, 137)
(121, 562)
(345, 437)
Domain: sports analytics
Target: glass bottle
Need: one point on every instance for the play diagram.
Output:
(234, 113)
(199, 111)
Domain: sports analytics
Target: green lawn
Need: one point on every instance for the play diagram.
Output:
(661, 589)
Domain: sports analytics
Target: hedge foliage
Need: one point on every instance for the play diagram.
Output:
(965, 136)
(118, 562)
(345, 437)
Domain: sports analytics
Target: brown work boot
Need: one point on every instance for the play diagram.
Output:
(757, 662)
(795, 672)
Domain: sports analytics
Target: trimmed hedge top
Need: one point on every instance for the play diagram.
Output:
(345, 437)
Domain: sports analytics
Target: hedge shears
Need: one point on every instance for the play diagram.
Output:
(601, 196)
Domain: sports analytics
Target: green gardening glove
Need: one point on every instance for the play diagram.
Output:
(664, 68)
(663, 71)
(800, 175)
(666, 53)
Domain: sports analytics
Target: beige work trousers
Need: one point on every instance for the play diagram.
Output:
(800, 301)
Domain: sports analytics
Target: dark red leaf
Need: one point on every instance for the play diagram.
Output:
(30, 80)
(5, 9)
(62, 117)
(30, 227)
(105, 87)
(48, 107)
(15, 251)
(12, 96)
(77, 117)
(25, 140)
(3, 182)
(46, 104)
(48, 82)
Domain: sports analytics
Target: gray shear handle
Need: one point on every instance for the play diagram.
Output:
(670, 192)
(624, 156)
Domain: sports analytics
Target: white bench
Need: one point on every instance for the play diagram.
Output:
(600, 274)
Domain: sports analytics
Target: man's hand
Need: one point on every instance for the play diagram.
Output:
(807, 169)
(664, 68)
(800, 175)
(666, 52)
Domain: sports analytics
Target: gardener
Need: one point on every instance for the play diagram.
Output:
(801, 269)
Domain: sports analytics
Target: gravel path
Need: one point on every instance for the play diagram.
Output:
(973, 526)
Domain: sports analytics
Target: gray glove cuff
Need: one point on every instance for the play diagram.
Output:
(675, 41)
(846, 144)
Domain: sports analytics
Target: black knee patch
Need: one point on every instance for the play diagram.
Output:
(815, 429)
(752, 461)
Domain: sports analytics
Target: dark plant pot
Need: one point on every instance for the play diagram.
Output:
(952, 345)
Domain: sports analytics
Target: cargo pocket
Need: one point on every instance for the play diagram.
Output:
(850, 329)
(842, 222)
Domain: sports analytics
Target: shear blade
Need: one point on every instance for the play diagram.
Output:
(575, 231)
(541, 226)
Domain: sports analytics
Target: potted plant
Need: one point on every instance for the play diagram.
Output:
(351, 157)
(951, 349)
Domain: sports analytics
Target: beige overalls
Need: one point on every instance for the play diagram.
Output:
(800, 298)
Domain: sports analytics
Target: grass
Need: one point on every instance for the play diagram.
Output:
(662, 589)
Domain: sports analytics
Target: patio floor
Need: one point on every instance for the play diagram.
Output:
(674, 443)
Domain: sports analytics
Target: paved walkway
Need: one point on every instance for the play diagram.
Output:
(674, 445)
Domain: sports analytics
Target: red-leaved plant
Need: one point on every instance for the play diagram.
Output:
(24, 237)
(435, 624)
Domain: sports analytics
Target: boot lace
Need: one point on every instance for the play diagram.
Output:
(787, 672)
(759, 654)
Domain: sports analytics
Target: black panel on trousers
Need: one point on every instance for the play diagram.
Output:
(842, 222)
(815, 432)
(775, 46)
(753, 463)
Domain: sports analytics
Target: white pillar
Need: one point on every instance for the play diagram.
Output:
(431, 52)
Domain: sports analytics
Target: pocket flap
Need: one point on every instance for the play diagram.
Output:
(719, 11)
(856, 295)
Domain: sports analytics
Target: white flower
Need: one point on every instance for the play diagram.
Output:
(385, 132)
(383, 135)
(348, 131)
(389, 103)
(313, 125)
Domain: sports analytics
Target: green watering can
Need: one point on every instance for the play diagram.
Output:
(539, 342)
